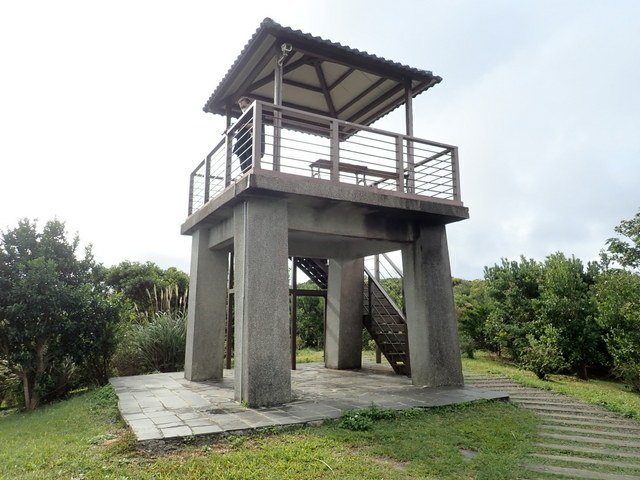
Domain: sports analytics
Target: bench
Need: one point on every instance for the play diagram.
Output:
(360, 171)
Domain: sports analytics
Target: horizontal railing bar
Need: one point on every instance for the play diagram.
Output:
(359, 127)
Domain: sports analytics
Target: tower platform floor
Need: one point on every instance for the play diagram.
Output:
(165, 406)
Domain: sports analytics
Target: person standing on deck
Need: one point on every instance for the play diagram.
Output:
(244, 138)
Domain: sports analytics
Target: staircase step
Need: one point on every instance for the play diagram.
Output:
(607, 418)
(599, 441)
(589, 431)
(578, 472)
(594, 450)
(591, 461)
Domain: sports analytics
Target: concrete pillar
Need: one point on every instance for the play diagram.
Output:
(262, 346)
(204, 355)
(433, 337)
(343, 333)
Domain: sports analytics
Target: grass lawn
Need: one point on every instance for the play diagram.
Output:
(613, 395)
(82, 438)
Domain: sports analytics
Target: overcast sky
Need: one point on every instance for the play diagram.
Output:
(101, 115)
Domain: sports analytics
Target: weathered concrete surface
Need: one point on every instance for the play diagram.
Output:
(164, 406)
(262, 347)
(207, 306)
(343, 335)
(340, 198)
(433, 337)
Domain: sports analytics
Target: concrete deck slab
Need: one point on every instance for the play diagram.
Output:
(167, 406)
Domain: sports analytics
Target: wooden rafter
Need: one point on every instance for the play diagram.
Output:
(363, 94)
(304, 60)
(369, 107)
(325, 88)
(342, 78)
(306, 86)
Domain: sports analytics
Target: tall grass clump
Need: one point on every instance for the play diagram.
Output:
(154, 340)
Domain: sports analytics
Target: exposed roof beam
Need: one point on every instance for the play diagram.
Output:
(363, 94)
(369, 107)
(306, 86)
(304, 60)
(317, 51)
(342, 78)
(325, 89)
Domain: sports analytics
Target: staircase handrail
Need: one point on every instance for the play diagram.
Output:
(398, 271)
(385, 294)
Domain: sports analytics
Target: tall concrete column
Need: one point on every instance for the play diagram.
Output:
(433, 337)
(343, 335)
(262, 346)
(204, 355)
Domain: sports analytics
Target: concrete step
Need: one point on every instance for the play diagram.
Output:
(606, 417)
(588, 461)
(591, 440)
(568, 403)
(591, 450)
(590, 431)
(594, 422)
(578, 472)
(569, 409)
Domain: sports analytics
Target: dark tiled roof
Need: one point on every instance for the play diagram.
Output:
(269, 26)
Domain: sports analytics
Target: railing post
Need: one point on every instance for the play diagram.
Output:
(455, 170)
(411, 174)
(376, 266)
(229, 158)
(207, 177)
(277, 135)
(191, 180)
(399, 165)
(256, 149)
(335, 151)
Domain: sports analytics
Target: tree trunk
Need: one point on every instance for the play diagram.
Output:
(29, 387)
(581, 371)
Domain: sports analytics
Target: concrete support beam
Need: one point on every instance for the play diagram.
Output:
(262, 347)
(343, 335)
(207, 310)
(433, 338)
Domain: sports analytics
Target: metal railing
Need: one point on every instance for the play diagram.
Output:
(388, 274)
(295, 142)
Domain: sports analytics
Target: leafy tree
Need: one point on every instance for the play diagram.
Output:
(625, 251)
(473, 309)
(565, 303)
(393, 286)
(144, 283)
(52, 314)
(511, 288)
(617, 296)
(310, 319)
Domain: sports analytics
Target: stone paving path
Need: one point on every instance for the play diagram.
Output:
(575, 439)
(166, 406)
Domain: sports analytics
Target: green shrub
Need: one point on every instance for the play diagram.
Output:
(154, 346)
(10, 386)
(617, 296)
(543, 355)
(467, 345)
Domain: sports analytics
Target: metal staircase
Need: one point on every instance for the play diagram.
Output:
(382, 318)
